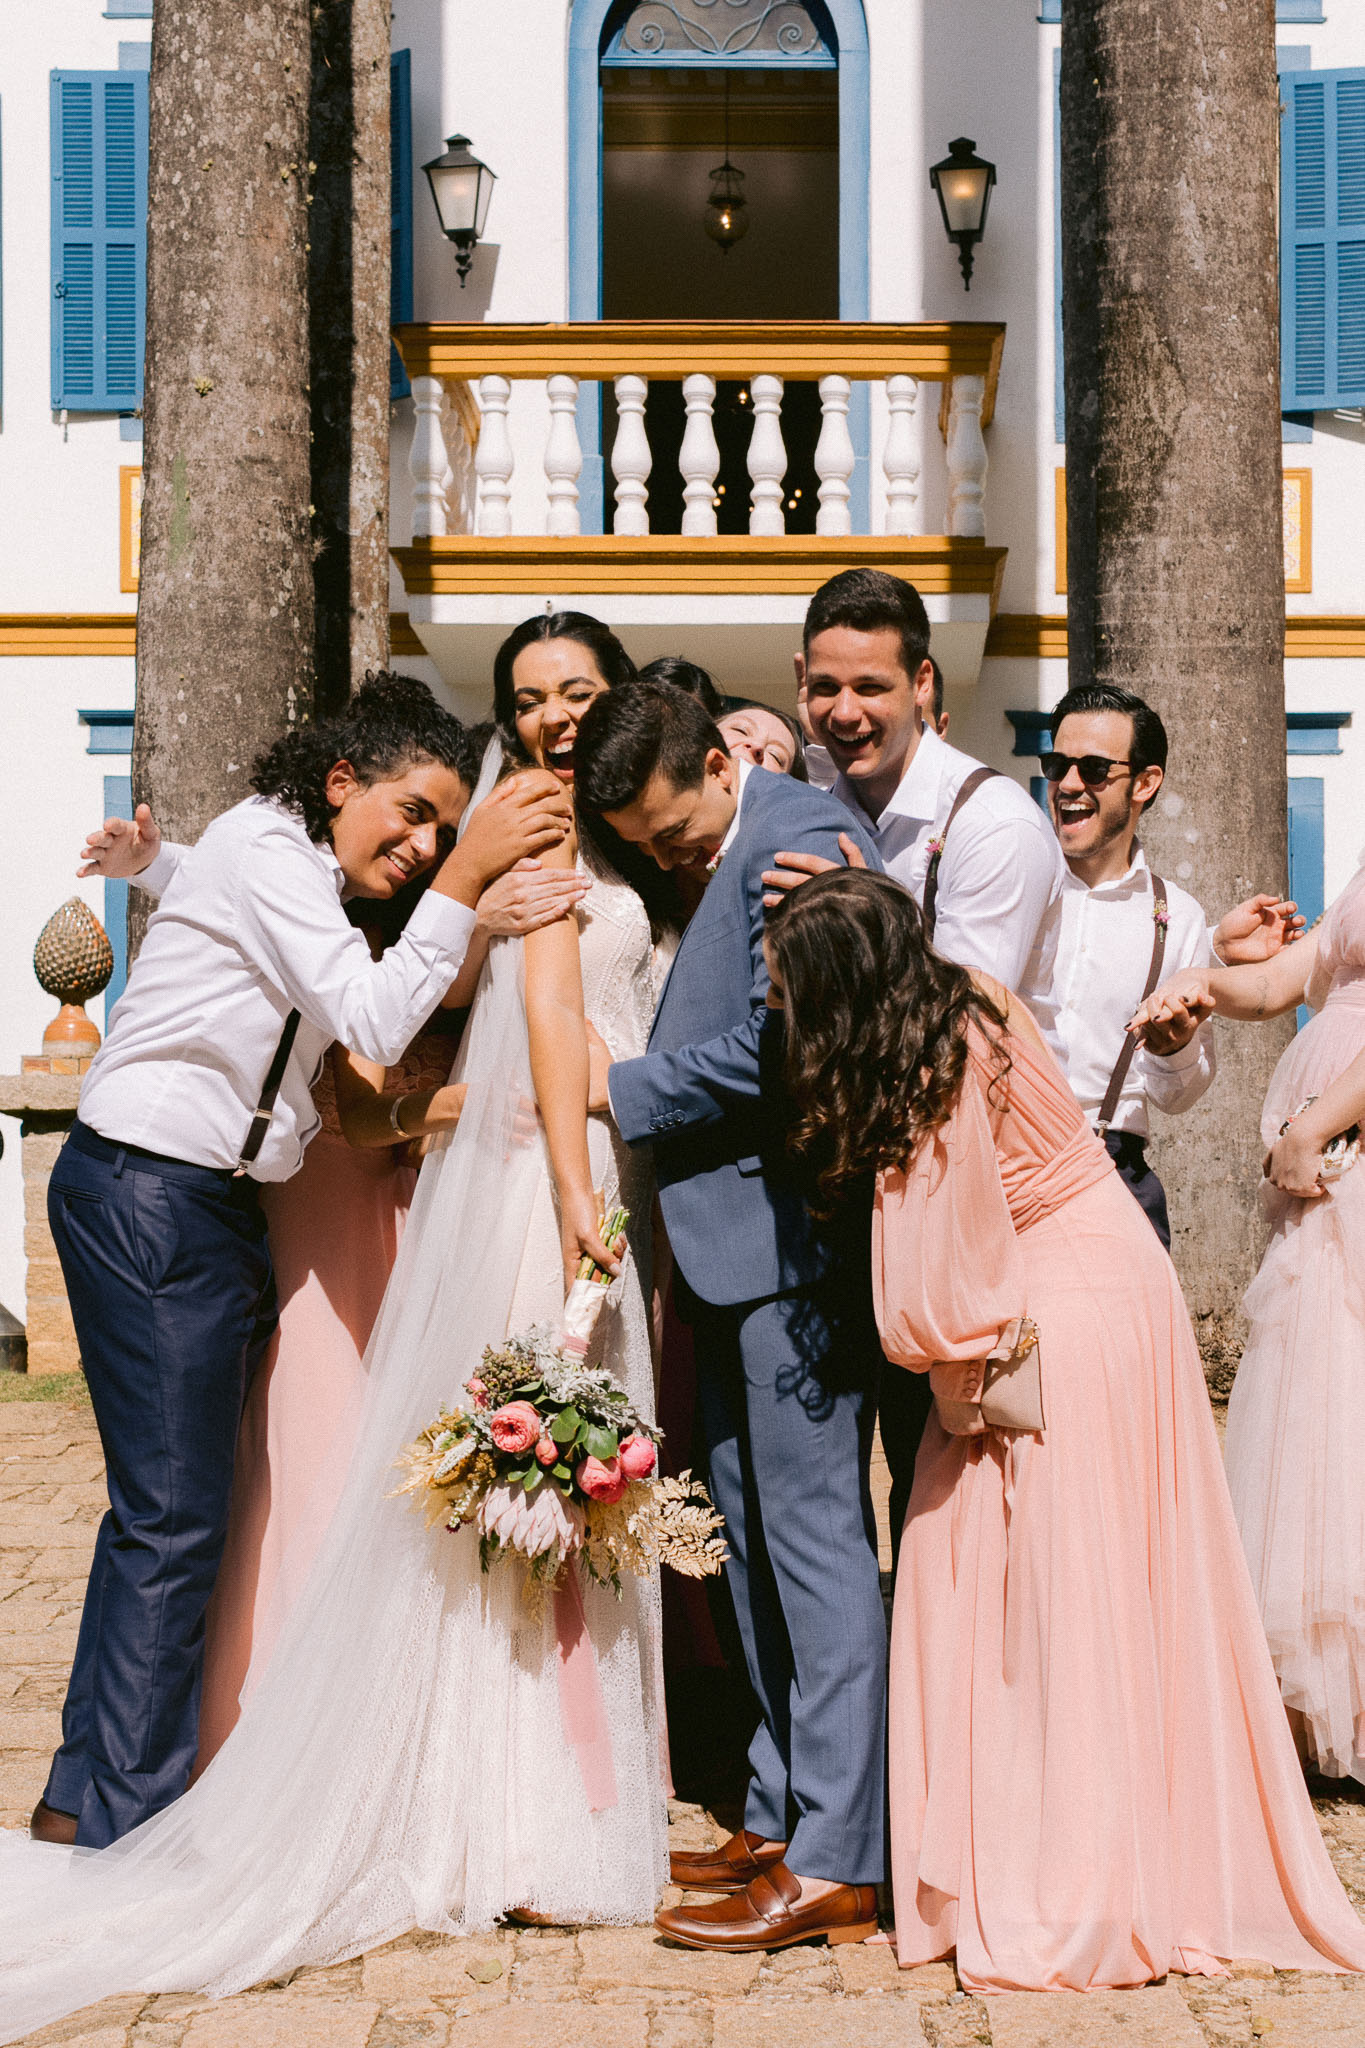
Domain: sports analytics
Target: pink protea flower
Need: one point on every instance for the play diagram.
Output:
(477, 1392)
(516, 1427)
(602, 1479)
(638, 1457)
(532, 1523)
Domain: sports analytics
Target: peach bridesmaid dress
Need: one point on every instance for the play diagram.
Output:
(334, 1235)
(1092, 1778)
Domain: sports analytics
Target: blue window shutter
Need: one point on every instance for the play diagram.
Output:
(1306, 852)
(118, 803)
(99, 239)
(1322, 240)
(400, 217)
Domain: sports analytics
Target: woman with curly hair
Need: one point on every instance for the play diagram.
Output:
(1092, 1778)
(199, 1095)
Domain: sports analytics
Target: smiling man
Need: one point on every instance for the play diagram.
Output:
(992, 892)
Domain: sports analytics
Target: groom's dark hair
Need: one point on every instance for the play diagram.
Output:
(631, 734)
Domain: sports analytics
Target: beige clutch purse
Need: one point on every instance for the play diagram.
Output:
(1011, 1395)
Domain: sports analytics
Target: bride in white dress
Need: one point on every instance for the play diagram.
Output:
(402, 1758)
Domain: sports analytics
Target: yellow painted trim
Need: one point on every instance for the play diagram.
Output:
(402, 638)
(664, 564)
(68, 633)
(1030, 636)
(931, 350)
(129, 525)
(1300, 585)
(1025, 636)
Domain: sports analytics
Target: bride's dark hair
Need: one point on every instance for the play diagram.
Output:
(876, 1025)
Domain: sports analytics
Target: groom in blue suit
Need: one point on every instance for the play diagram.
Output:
(786, 1343)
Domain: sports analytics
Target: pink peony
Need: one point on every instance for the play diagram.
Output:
(638, 1457)
(547, 1451)
(602, 1479)
(477, 1392)
(516, 1427)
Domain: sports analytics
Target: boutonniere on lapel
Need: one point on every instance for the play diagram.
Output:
(1160, 914)
(713, 865)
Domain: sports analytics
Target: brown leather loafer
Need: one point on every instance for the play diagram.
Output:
(768, 1914)
(49, 1824)
(727, 1869)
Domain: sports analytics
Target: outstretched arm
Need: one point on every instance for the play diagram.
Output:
(1249, 994)
(558, 1034)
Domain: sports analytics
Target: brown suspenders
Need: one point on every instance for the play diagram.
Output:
(265, 1108)
(1160, 919)
(940, 840)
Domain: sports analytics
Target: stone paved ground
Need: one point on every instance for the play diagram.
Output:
(624, 1988)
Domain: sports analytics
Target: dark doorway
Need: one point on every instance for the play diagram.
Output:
(663, 132)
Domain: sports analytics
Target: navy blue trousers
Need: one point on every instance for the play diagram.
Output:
(787, 1404)
(1129, 1154)
(168, 1273)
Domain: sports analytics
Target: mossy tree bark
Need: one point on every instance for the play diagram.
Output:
(1169, 115)
(264, 577)
(349, 342)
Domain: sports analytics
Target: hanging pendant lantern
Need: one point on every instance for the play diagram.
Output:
(727, 210)
(726, 219)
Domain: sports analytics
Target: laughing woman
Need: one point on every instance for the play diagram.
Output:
(1092, 1779)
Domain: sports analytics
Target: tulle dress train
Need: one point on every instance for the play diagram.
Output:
(401, 1758)
(1092, 1779)
(1296, 1420)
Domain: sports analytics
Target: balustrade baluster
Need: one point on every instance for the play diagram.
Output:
(493, 458)
(900, 457)
(630, 456)
(967, 459)
(563, 456)
(428, 458)
(699, 457)
(767, 456)
(834, 457)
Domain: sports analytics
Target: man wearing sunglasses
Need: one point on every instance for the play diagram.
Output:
(1106, 764)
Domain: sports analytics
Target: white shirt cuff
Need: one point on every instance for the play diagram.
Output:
(1188, 1055)
(444, 922)
(157, 873)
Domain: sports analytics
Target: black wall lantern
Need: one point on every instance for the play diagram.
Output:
(461, 187)
(963, 182)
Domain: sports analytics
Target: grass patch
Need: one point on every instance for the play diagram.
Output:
(45, 1386)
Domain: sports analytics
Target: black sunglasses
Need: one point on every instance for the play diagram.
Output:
(1093, 769)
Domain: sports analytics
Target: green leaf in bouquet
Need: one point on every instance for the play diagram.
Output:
(516, 1474)
(566, 1425)
(563, 1473)
(533, 1479)
(600, 1443)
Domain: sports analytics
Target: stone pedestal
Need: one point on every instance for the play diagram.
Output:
(44, 1097)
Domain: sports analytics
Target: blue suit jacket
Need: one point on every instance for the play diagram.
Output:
(708, 1091)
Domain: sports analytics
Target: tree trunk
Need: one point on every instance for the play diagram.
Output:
(349, 342)
(1174, 553)
(225, 610)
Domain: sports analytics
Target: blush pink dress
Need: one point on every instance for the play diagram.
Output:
(334, 1235)
(1092, 1778)
(1296, 1420)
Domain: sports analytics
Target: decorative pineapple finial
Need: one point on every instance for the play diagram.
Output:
(73, 961)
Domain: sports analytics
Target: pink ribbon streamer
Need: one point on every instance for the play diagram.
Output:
(581, 1709)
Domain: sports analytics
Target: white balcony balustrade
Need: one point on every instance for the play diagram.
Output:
(963, 358)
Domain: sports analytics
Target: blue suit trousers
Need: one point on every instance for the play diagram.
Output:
(787, 1395)
(167, 1268)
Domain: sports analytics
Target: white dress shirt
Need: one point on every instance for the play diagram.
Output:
(1103, 960)
(746, 769)
(249, 926)
(999, 880)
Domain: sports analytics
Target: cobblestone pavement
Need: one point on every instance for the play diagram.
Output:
(626, 1988)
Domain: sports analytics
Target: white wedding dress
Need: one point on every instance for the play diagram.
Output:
(401, 1760)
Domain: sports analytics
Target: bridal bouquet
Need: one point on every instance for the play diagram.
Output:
(552, 1462)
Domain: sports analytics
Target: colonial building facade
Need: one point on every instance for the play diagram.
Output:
(821, 391)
